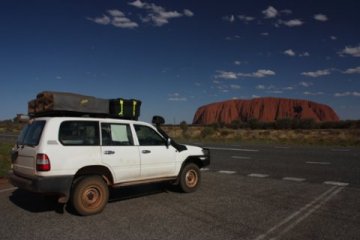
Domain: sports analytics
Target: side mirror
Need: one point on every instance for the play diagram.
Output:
(158, 120)
(168, 142)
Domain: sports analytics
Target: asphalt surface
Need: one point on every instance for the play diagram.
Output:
(248, 192)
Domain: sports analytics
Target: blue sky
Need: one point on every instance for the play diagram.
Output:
(176, 55)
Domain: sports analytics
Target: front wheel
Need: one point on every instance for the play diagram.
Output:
(190, 178)
(90, 195)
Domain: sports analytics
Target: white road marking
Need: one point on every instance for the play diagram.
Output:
(294, 179)
(8, 189)
(204, 169)
(334, 183)
(258, 175)
(240, 157)
(298, 216)
(318, 163)
(234, 149)
(227, 172)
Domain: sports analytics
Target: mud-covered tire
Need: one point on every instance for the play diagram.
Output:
(89, 195)
(190, 178)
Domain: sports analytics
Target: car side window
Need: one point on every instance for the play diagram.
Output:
(79, 133)
(114, 134)
(148, 136)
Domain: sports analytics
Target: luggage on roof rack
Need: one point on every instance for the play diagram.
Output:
(125, 108)
(50, 103)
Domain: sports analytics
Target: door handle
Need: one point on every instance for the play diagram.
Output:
(109, 152)
(146, 151)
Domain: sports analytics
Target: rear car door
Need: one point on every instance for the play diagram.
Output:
(157, 158)
(119, 152)
(24, 155)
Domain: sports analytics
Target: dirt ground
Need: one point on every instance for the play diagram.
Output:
(4, 183)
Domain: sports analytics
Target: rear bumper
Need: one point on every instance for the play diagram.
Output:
(59, 185)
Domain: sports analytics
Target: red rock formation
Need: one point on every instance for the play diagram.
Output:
(263, 109)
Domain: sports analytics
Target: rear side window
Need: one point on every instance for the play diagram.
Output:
(79, 133)
(31, 134)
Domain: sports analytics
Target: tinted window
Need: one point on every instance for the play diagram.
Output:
(148, 136)
(84, 133)
(31, 134)
(116, 135)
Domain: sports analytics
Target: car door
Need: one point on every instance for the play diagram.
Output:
(157, 158)
(119, 151)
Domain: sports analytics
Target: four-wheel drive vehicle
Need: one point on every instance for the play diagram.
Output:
(80, 158)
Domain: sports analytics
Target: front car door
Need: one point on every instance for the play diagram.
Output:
(157, 158)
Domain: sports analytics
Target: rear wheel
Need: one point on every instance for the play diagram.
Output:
(90, 195)
(190, 178)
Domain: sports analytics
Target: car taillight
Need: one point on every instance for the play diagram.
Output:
(42, 162)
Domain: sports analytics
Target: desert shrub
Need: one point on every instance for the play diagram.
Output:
(284, 123)
(207, 131)
(308, 124)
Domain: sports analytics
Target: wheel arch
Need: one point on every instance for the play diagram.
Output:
(100, 170)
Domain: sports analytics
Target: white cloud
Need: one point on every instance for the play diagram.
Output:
(104, 20)
(255, 96)
(119, 20)
(306, 84)
(138, 4)
(176, 97)
(289, 52)
(260, 87)
(352, 51)
(317, 73)
(304, 54)
(245, 18)
(346, 94)
(226, 75)
(333, 38)
(116, 18)
(292, 23)
(270, 12)
(264, 34)
(288, 88)
(263, 73)
(188, 13)
(352, 70)
(321, 17)
(158, 15)
(230, 18)
(313, 93)
(235, 86)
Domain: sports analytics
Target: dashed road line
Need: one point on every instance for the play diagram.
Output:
(258, 175)
(234, 149)
(226, 172)
(294, 179)
(318, 163)
(205, 169)
(241, 157)
(334, 183)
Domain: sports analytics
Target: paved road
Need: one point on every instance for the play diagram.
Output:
(248, 192)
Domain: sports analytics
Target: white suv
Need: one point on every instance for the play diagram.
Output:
(79, 158)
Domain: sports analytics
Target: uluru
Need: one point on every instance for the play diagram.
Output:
(267, 109)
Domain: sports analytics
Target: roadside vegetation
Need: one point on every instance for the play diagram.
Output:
(5, 162)
(284, 131)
